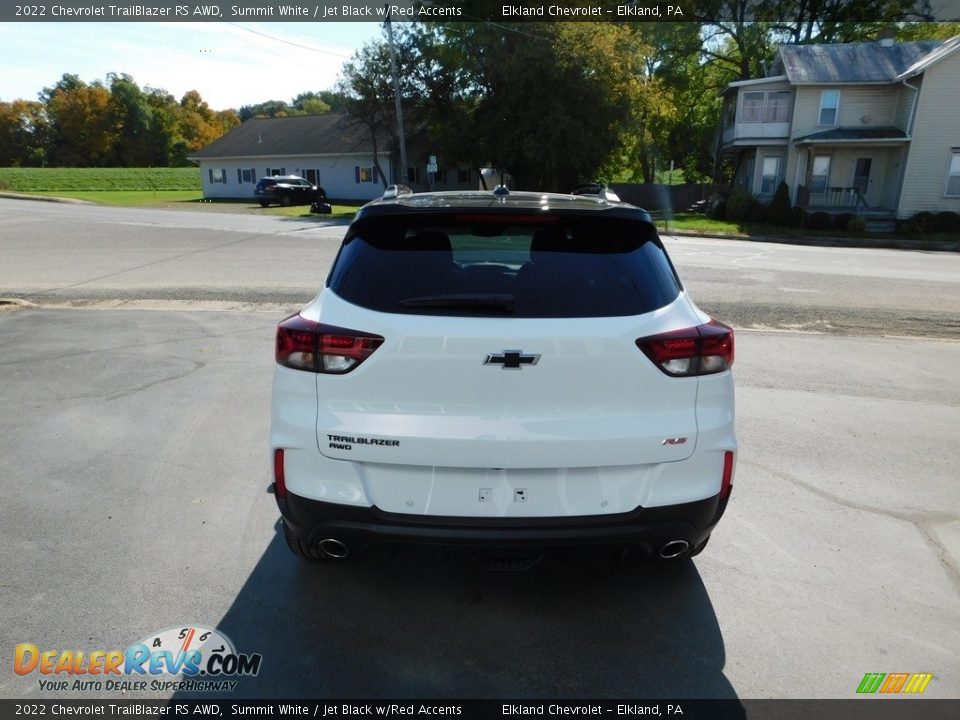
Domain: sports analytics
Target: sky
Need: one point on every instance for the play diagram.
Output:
(229, 64)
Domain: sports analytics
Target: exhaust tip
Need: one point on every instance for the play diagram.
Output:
(331, 547)
(674, 548)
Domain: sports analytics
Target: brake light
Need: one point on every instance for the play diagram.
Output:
(726, 483)
(279, 480)
(701, 350)
(307, 345)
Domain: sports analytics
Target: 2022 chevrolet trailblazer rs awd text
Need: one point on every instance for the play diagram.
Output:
(502, 371)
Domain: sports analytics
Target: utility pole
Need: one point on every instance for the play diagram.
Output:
(396, 98)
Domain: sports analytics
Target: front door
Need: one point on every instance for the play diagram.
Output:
(861, 175)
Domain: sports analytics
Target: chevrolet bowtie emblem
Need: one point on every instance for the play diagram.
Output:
(511, 359)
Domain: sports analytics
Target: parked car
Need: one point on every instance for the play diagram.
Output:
(505, 371)
(286, 190)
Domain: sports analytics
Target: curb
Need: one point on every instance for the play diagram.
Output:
(44, 198)
(893, 243)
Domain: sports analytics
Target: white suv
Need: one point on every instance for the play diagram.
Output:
(507, 371)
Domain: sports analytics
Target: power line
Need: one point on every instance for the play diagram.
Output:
(290, 42)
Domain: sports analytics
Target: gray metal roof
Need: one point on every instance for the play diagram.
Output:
(854, 133)
(867, 62)
(327, 134)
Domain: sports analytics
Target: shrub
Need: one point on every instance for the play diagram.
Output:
(818, 221)
(779, 210)
(947, 221)
(796, 217)
(842, 221)
(718, 211)
(922, 222)
(856, 225)
(740, 204)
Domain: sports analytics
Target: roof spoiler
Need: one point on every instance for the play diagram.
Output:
(599, 191)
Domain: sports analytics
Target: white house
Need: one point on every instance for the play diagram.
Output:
(868, 127)
(327, 150)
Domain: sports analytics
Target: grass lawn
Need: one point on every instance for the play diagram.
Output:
(36, 180)
(695, 222)
(192, 200)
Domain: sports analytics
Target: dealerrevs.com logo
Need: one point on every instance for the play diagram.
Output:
(190, 658)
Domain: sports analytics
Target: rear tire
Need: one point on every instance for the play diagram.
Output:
(285, 201)
(264, 204)
(301, 550)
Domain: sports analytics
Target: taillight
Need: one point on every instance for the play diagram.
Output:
(307, 345)
(726, 482)
(701, 350)
(279, 479)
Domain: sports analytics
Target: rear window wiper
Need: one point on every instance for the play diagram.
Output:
(464, 301)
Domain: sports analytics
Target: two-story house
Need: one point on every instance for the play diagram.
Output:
(872, 128)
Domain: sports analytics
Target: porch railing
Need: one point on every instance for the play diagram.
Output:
(835, 198)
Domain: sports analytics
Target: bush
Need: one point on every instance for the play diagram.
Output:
(856, 225)
(922, 222)
(842, 221)
(779, 210)
(740, 204)
(796, 217)
(947, 221)
(718, 211)
(818, 221)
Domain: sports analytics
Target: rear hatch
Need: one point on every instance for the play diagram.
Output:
(508, 342)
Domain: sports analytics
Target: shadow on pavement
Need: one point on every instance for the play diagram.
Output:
(424, 623)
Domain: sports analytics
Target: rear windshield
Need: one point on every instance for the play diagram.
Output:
(487, 265)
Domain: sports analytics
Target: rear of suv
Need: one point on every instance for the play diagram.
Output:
(502, 371)
(286, 190)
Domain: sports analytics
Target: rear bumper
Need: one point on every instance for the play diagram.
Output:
(646, 528)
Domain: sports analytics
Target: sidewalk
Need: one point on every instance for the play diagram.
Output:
(893, 242)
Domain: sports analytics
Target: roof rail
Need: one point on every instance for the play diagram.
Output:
(394, 191)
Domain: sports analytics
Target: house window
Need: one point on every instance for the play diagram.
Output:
(440, 176)
(412, 175)
(829, 107)
(363, 174)
(463, 176)
(765, 106)
(777, 108)
(276, 171)
(753, 103)
(821, 174)
(246, 176)
(218, 176)
(953, 175)
(771, 174)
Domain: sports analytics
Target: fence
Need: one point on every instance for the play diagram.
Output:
(658, 197)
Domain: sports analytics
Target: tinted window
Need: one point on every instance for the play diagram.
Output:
(469, 265)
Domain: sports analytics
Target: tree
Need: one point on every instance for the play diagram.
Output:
(23, 128)
(83, 130)
(135, 144)
(367, 88)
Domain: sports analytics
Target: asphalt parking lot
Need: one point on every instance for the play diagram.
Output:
(135, 476)
(134, 471)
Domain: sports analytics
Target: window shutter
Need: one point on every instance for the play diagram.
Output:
(356, 174)
(239, 176)
(210, 174)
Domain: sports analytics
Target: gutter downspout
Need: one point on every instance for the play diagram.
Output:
(904, 152)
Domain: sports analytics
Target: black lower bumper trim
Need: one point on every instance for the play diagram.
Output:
(313, 520)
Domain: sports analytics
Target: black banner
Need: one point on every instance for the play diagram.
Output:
(866, 709)
(454, 10)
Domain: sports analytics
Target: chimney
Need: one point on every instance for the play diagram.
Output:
(887, 36)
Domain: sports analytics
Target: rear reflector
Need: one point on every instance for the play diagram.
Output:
(307, 345)
(279, 481)
(701, 350)
(726, 483)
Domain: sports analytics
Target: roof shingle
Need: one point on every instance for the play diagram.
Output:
(327, 134)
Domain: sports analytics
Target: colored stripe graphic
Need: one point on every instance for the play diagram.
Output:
(870, 682)
(894, 682)
(918, 682)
